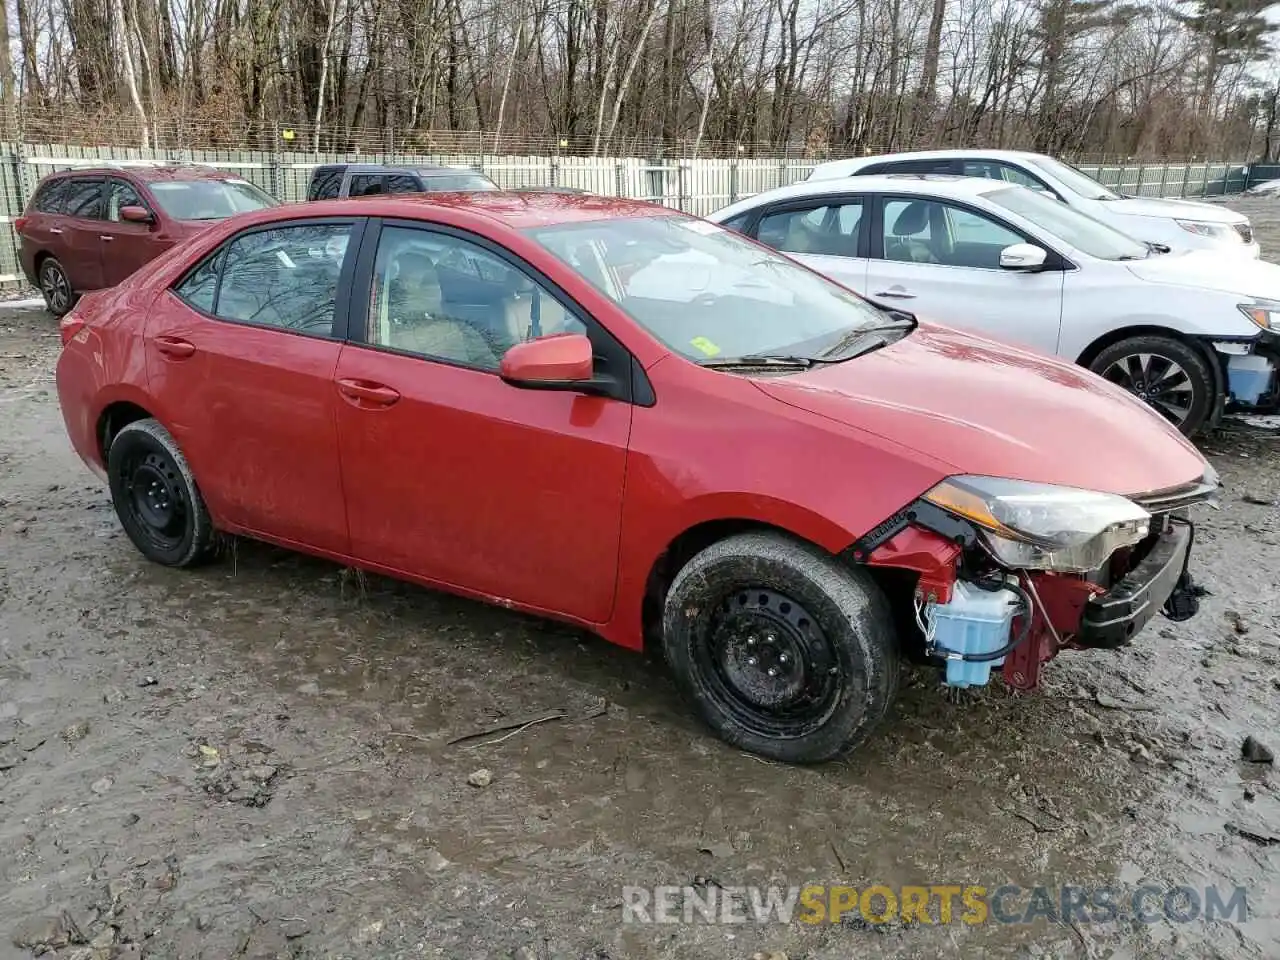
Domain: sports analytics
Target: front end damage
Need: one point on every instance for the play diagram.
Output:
(977, 611)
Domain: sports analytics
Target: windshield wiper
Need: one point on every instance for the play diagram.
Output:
(862, 340)
(761, 360)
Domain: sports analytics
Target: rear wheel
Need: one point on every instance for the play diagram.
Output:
(156, 497)
(784, 651)
(1169, 375)
(55, 287)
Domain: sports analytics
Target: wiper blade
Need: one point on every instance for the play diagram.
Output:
(856, 336)
(761, 360)
(1158, 247)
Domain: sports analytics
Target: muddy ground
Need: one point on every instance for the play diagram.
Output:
(254, 760)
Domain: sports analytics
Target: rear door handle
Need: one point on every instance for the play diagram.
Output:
(895, 295)
(55, 230)
(175, 347)
(106, 238)
(365, 391)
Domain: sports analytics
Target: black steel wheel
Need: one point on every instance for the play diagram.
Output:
(785, 651)
(1167, 374)
(55, 287)
(155, 496)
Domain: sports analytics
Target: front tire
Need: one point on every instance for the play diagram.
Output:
(156, 497)
(55, 287)
(1169, 375)
(784, 651)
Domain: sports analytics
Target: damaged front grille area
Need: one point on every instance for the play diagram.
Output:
(1246, 232)
(1177, 498)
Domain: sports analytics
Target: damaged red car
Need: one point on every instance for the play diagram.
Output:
(643, 424)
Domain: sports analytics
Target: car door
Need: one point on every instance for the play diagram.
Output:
(82, 233)
(453, 475)
(940, 260)
(825, 233)
(240, 359)
(126, 245)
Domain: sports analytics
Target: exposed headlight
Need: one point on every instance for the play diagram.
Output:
(1040, 526)
(1204, 228)
(1265, 313)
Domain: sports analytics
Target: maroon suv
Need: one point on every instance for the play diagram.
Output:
(86, 229)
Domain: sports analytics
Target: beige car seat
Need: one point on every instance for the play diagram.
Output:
(431, 331)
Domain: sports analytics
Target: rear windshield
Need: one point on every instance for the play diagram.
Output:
(451, 182)
(208, 199)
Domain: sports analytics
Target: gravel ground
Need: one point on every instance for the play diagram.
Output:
(257, 760)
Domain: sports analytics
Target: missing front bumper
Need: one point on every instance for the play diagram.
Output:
(1112, 619)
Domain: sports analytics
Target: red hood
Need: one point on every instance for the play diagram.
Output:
(993, 409)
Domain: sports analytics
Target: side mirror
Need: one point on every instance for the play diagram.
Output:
(561, 361)
(134, 214)
(1024, 257)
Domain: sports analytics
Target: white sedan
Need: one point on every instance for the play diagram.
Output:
(1188, 332)
(1177, 224)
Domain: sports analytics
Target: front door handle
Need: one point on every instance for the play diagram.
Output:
(106, 238)
(365, 391)
(175, 347)
(895, 295)
(57, 230)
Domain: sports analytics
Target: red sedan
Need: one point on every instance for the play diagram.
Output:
(638, 422)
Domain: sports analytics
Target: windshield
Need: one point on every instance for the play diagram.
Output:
(1073, 179)
(208, 199)
(707, 292)
(457, 182)
(1058, 220)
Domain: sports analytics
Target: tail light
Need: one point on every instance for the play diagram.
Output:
(20, 223)
(69, 327)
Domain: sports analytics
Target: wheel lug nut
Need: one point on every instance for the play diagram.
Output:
(752, 661)
(773, 671)
(751, 641)
(783, 658)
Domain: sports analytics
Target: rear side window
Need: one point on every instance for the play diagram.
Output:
(403, 183)
(366, 185)
(84, 199)
(285, 277)
(326, 183)
(934, 165)
(51, 197)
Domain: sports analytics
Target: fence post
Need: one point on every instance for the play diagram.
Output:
(1186, 177)
(733, 181)
(619, 180)
(681, 186)
(555, 171)
(277, 166)
(782, 174)
(1164, 172)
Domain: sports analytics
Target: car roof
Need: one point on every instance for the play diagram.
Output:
(149, 174)
(844, 167)
(514, 210)
(431, 170)
(928, 184)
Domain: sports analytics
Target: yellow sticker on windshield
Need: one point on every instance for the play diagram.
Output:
(705, 345)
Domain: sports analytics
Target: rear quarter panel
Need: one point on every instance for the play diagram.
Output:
(104, 364)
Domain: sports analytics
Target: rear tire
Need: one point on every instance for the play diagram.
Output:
(1167, 374)
(55, 287)
(784, 651)
(156, 497)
